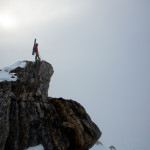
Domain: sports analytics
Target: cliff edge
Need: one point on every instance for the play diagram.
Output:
(29, 117)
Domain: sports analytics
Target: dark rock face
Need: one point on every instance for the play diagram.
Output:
(28, 117)
(33, 79)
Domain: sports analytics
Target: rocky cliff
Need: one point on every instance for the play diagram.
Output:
(29, 117)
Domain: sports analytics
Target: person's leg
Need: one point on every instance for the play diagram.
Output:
(36, 55)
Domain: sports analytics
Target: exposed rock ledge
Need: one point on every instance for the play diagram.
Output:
(28, 117)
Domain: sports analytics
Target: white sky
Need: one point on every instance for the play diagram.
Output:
(100, 52)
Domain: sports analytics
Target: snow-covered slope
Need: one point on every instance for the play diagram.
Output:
(99, 147)
(95, 147)
(5, 72)
(123, 147)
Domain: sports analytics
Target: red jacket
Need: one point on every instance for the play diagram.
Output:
(35, 48)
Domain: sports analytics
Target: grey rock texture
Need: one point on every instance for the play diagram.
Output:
(28, 117)
(35, 78)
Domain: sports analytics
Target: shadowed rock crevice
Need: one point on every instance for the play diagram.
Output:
(28, 117)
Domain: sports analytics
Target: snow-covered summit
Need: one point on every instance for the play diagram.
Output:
(5, 74)
(20, 64)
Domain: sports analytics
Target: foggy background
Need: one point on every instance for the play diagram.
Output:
(100, 52)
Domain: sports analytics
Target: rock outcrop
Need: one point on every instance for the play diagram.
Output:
(112, 147)
(29, 117)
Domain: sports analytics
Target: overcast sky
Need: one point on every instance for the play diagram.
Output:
(100, 52)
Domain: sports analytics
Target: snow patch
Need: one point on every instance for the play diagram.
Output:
(38, 147)
(5, 74)
(20, 64)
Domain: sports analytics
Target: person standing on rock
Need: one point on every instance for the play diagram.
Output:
(35, 50)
